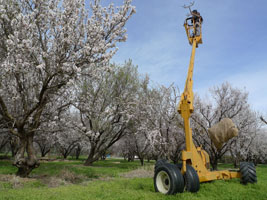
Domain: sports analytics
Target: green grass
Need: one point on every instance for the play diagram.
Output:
(118, 188)
(108, 168)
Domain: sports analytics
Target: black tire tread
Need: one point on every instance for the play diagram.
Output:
(160, 163)
(248, 173)
(176, 178)
(191, 179)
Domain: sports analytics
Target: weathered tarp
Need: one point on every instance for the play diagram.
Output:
(222, 132)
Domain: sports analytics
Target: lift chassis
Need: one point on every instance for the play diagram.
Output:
(194, 169)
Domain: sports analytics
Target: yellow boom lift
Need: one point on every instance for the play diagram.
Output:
(194, 169)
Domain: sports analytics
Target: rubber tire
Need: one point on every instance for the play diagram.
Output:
(176, 178)
(191, 178)
(160, 163)
(248, 173)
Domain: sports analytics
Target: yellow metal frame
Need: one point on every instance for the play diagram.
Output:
(196, 157)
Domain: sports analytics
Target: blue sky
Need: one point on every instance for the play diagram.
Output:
(234, 45)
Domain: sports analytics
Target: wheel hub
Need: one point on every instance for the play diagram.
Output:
(163, 182)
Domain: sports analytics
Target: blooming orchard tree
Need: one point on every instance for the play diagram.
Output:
(80, 148)
(158, 130)
(104, 104)
(55, 119)
(125, 147)
(249, 127)
(56, 130)
(257, 152)
(168, 138)
(66, 141)
(45, 142)
(44, 46)
(227, 102)
(136, 142)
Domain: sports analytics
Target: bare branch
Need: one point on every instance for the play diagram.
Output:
(262, 119)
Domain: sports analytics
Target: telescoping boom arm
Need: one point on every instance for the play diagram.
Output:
(193, 31)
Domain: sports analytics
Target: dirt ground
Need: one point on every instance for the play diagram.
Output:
(145, 172)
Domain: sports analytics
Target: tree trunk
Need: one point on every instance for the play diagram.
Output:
(3, 144)
(236, 163)
(130, 158)
(214, 164)
(13, 153)
(44, 152)
(91, 158)
(103, 157)
(25, 164)
(44, 149)
(141, 161)
(65, 155)
(14, 146)
(78, 152)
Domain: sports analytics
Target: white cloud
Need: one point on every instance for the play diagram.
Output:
(254, 82)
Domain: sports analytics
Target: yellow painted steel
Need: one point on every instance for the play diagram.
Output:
(196, 157)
